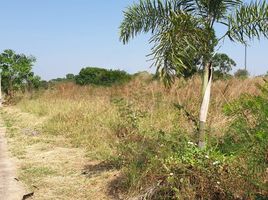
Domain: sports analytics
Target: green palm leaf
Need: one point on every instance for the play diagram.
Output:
(174, 48)
(248, 22)
(149, 16)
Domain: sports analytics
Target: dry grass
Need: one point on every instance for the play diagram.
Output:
(48, 165)
(88, 117)
(56, 133)
(88, 111)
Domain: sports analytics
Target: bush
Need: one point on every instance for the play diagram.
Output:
(100, 76)
(168, 165)
(247, 138)
(44, 84)
(241, 73)
(70, 77)
(218, 75)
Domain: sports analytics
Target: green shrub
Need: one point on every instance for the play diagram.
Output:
(247, 138)
(100, 76)
(162, 165)
(241, 73)
(167, 165)
(70, 77)
(129, 118)
(218, 75)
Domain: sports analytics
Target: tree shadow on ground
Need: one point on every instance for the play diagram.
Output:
(117, 188)
(115, 183)
(95, 169)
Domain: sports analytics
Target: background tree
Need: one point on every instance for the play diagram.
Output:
(33, 82)
(100, 76)
(17, 70)
(70, 77)
(241, 73)
(183, 30)
(222, 65)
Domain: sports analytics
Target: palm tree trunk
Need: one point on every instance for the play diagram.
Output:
(206, 90)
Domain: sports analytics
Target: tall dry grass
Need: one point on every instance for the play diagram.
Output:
(88, 117)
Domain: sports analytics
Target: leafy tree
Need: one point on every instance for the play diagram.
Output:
(242, 73)
(67, 78)
(100, 76)
(184, 31)
(70, 76)
(33, 81)
(222, 64)
(44, 84)
(16, 70)
(56, 80)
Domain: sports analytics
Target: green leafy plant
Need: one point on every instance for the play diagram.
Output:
(16, 71)
(242, 74)
(129, 118)
(100, 76)
(247, 138)
(160, 165)
(168, 165)
(70, 77)
(222, 65)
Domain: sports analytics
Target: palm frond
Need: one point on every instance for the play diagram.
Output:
(149, 15)
(216, 10)
(249, 22)
(176, 46)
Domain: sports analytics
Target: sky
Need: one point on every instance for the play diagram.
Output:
(67, 35)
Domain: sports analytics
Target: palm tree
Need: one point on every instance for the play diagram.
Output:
(183, 31)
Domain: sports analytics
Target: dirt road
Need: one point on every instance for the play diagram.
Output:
(10, 188)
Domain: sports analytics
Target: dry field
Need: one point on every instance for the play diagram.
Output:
(62, 135)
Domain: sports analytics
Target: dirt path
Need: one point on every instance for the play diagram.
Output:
(50, 166)
(10, 188)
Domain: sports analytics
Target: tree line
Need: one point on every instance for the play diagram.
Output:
(17, 74)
